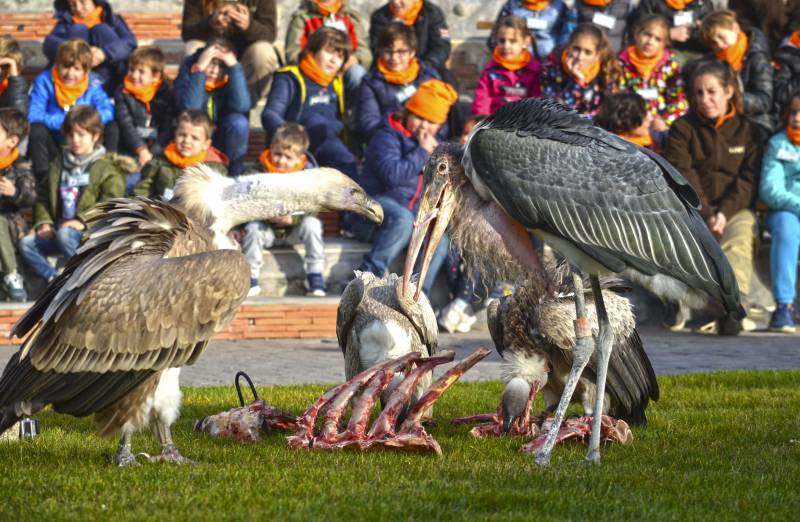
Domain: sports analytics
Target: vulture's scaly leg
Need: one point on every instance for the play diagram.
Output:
(605, 342)
(581, 354)
(124, 457)
(169, 452)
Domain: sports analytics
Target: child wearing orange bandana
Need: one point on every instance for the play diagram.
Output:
(17, 192)
(628, 115)
(748, 53)
(393, 79)
(13, 87)
(393, 166)
(81, 175)
(549, 21)
(190, 146)
(313, 14)
(685, 18)
(106, 32)
(582, 74)
(780, 190)
(212, 80)
(287, 152)
(145, 111)
(312, 94)
(512, 73)
(650, 70)
(787, 69)
(54, 93)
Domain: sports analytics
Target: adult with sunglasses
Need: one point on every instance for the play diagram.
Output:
(393, 79)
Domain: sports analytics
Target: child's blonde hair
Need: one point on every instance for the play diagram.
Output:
(654, 19)
(724, 18)
(198, 119)
(517, 23)
(148, 56)
(75, 51)
(290, 134)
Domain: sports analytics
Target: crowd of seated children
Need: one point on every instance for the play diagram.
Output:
(550, 21)
(81, 175)
(17, 192)
(191, 146)
(13, 87)
(287, 152)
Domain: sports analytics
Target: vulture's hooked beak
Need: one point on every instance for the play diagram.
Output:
(435, 211)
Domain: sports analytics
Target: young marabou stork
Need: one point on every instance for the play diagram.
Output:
(144, 294)
(607, 205)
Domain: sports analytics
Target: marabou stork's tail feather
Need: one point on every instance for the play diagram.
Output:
(631, 381)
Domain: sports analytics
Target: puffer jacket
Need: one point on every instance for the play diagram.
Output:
(16, 94)
(308, 19)
(45, 109)
(780, 174)
(722, 165)
(619, 10)
(433, 35)
(11, 207)
(139, 126)
(499, 86)
(787, 75)
(550, 27)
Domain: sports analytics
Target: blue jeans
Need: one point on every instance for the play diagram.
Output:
(785, 230)
(35, 250)
(391, 238)
(231, 138)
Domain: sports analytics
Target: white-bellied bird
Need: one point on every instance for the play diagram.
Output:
(144, 294)
(607, 205)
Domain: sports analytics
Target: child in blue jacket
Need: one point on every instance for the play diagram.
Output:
(312, 94)
(55, 91)
(780, 190)
(94, 22)
(213, 81)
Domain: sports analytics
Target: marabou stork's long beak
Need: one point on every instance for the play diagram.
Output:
(435, 211)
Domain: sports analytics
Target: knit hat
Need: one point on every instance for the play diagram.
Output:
(432, 100)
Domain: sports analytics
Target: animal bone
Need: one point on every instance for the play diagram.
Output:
(246, 423)
(410, 436)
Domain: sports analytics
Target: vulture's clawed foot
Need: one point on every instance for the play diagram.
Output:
(124, 458)
(367, 386)
(169, 453)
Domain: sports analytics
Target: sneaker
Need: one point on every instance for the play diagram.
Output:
(15, 287)
(315, 285)
(783, 319)
(455, 317)
(254, 288)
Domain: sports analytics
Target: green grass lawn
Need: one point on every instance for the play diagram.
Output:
(719, 446)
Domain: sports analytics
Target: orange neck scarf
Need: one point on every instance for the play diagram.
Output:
(174, 157)
(678, 5)
(794, 135)
(399, 77)
(734, 54)
(10, 159)
(144, 93)
(67, 95)
(535, 5)
(643, 141)
(266, 162)
(213, 86)
(330, 9)
(643, 64)
(3, 86)
(722, 119)
(93, 18)
(589, 73)
(795, 39)
(311, 68)
(597, 3)
(512, 64)
(409, 17)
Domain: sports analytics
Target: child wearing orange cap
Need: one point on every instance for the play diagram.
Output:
(392, 174)
(748, 53)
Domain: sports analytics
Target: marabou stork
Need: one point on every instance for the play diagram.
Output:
(144, 294)
(607, 205)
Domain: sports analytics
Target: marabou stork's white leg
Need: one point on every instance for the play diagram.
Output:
(605, 342)
(124, 457)
(581, 354)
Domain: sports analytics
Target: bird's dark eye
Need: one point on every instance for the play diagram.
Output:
(442, 168)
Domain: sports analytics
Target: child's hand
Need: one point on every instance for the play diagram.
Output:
(680, 34)
(144, 156)
(45, 231)
(427, 141)
(227, 57)
(659, 125)
(13, 70)
(210, 52)
(98, 56)
(573, 68)
(221, 19)
(283, 221)
(351, 61)
(7, 187)
(74, 224)
(717, 224)
(240, 16)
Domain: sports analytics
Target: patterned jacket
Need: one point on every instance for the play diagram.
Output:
(558, 84)
(664, 91)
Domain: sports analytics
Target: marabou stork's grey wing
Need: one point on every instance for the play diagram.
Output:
(348, 309)
(419, 314)
(554, 171)
(495, 320)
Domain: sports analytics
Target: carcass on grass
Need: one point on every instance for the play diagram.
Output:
(383, 433)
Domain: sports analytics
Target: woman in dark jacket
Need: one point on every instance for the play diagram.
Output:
(712, 145)
(611, 15)
(684, 17)
(108, 34)
(748, 53)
